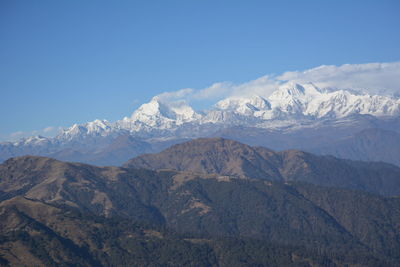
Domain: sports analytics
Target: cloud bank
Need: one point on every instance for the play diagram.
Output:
(371, 78)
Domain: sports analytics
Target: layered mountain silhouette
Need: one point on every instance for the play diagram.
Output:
(227, 157)
(241, 205)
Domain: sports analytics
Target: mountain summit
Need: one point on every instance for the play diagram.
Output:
(161, 115)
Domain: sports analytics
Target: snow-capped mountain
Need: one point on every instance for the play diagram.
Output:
(238, 110)
(290, 102)
(33, 140)
(308, 100)
(158, 115)
(93, 128)
(290, 106)
(294, 101)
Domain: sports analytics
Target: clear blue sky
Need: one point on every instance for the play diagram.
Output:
(71, 61)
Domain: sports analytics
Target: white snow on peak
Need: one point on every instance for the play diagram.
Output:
(292, 90)
(159, 114)
(93, 128)
(98, 126)
(32, 140)
(342, 103)
(244, 105)
(292, 98)
(307, 100)
(150, 109)
(293, 101)
(236, 110)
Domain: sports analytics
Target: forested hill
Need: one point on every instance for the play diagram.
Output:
(54, 212)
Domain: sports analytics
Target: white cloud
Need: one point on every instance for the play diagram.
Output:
(374, 78)
(176, 95)
(263, 86)
(49, 129)
(215, 91)
(197, 97)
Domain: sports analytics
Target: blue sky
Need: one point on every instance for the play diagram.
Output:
(65, 62)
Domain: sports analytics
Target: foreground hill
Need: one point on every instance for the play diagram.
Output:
(53, 212)
(227, 157)
(37, 234)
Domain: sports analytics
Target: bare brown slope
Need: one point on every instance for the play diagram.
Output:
(212, 155)
(204, 205)
(101, 190)
(227, 157)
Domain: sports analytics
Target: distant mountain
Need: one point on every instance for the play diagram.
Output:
(227, 157)
(54, 212)
(363, 138)
(302, 115)
(113, 153)
(289, 102)
(368, 145)
(296, 101)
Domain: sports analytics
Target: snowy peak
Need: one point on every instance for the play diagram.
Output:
(290, 100)
(98, 126)
(32, 141)
(244, 105)
(301, 101)
(237, 110)
(343, 103)
(309, 101)
(151, 110)
(159, 114)
(292, 90)
(93, 128)
(183, 112)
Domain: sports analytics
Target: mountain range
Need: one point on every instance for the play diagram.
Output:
(207, 202)
(295, 116)
(227, 157)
